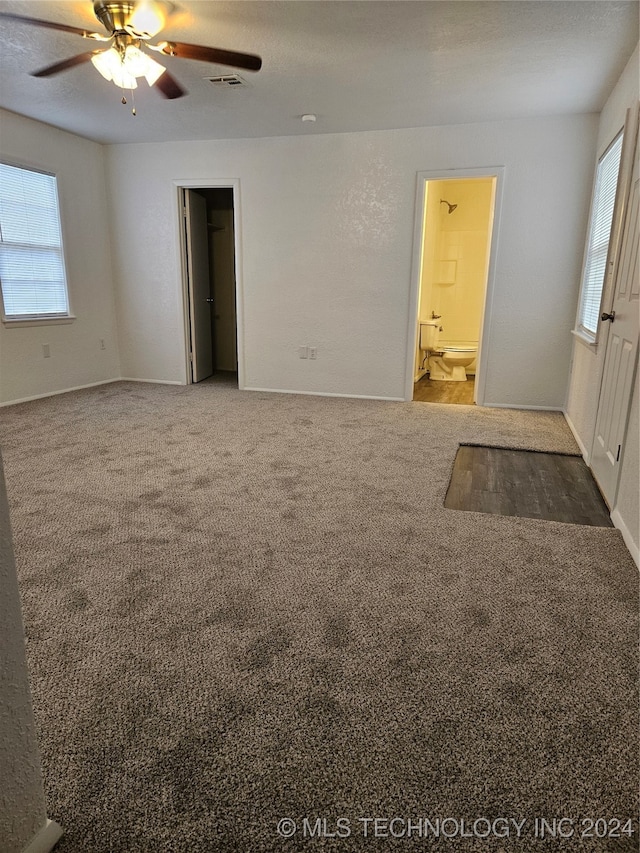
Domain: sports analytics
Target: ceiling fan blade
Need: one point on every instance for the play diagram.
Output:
(169, 86)
(52, 25)
(57, 67)
(212, 54)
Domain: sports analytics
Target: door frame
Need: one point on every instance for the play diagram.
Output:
(497, 172)
(232, 184)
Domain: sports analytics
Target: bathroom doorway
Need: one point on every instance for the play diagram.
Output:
(455, 233)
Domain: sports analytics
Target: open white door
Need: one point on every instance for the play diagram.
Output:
(197, 253)
(621, 356)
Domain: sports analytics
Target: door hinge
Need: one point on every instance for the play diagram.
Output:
(184, 212)
(190, 356)
(618, 456)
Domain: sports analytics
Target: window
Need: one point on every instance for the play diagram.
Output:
(595, 265)
(32, 276)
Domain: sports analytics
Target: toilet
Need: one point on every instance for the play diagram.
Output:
(447, 361)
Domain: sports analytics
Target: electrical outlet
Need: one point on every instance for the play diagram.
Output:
(303, 352)
(46, 352)
(313, 352)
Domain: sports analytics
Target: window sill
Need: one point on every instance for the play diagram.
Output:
(586, 340)
(22, 323)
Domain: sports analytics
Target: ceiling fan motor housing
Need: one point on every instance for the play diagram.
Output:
(114, 16)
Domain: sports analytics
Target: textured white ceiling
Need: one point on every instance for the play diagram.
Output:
(365, 65)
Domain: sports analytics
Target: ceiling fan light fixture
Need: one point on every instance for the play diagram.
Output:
(107, 62)
(140, 64)
(154, 72)
(124, 67)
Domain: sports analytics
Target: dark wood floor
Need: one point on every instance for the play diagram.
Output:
(526, 484)
(427, 390)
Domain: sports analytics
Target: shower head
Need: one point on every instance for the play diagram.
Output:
(451, 207)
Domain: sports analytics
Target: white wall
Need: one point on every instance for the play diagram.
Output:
(587, 363)
(22, 806)
(327, 225)
(76, 358)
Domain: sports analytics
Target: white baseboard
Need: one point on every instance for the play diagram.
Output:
(55, 393)
(618, 523)
(45, 840)
(325, 394)
(616, 518)
(521, 406)
(89, 385)
(151, 381)
(583, 449)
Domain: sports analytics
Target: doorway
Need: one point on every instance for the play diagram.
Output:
(209, 271)
(454, 247)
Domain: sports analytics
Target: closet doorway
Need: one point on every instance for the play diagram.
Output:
(209, 273)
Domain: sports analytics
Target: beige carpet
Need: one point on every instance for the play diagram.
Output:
(244, 607)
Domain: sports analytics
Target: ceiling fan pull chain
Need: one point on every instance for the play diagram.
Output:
(134, 112)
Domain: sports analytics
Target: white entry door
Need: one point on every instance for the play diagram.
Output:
(199, 280)
(621, 356)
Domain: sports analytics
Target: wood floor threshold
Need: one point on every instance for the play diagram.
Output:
(521, 449)
(527, 484)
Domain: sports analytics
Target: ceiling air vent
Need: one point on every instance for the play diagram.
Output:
(227, 80)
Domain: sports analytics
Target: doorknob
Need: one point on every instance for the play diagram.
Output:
(611, 316)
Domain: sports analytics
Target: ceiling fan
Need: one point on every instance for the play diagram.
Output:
(130, 26)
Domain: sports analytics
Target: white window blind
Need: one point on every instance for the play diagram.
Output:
(604, 197)
(32, 276)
